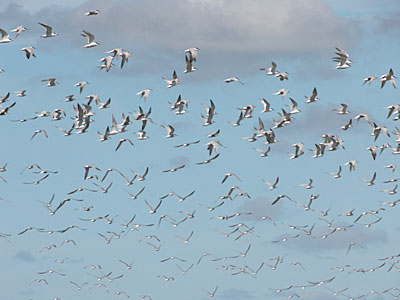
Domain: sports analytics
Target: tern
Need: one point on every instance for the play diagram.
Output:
(144, 94)
(92, 12)
(313, 97)
(81, 85)
(49, 31)
(19, 30)
(51, 82)
(5, 38)
(91, 43)
(193, 53)
(388, 77)
(29, 51)
(233, 79)
(270, 70)
(173, 82)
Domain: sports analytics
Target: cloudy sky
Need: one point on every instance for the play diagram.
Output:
(236, 39)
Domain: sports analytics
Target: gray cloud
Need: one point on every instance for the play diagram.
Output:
(24, 255)
(234, 294)
(259, 207)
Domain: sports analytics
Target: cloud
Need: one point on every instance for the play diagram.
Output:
(234, 294)
(24, 255)
(259, 207)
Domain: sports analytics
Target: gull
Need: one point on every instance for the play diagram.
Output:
(342, 59)
(285, 239)
(39, 131)
(348, 125)
(369, 79)
(87, 168)
(41, 280)
(19, 30)
(279, 198)
(104, 105)
(366, 116)
(104, 190)
(173, 258)
(212, 294)
(227, 175)
(21, 93)
(4, 111)
(185, 241)
(107, 63)
(266, 104)
(80, 190)
(49, 31)
(244, 254)
(187, 144)
(79, 287)
(298, 150)
(108, 240)
(121, 141)
(189, 65)
(391, 166)
(342, 110)
(262, 152)
(352, 165)
(29, 51)
(125, 57)
(133, 197)
(144, 94)
(353, 244)
(370, 182)
(153, 210)
(282, 75)
(373, 151)
(233, 79)
(208, 160)
(181, 199)
(174, 169)
(92, 12)
(377, 130)
(193, 53)
(307, 185)
(171, 83)
(105, 136)
(5, 38)
(143, 177)
(184, 271)
(237, 123)
(274, 185)
(282, 92)
(81, 85)
(170, 131)
(388, 77)
(213, 146)
(270, 70)
(128, 266)
(51, 272)
(313, 97)
(142, 135)
(392, 191)
(293, 107)
(51, 82)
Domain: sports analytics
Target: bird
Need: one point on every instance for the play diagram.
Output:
(173, 82)
(233, 79)
(189, 66)
(5, 38)
(174, 169)
(282, 92)
(91, 42)
(49, 31)
(388, 77)
(92, 12)
(313, 97)
(272, 186)
(39, 131)
(193, 53)
(144, 94)
(50, 82)
(81, 85)
(121, 141)
(370, 182)
(227, 175)
(170, 131)
(29, 51)
(270, 70)
(19, 30)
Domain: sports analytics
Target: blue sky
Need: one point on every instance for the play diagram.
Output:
(236, 39)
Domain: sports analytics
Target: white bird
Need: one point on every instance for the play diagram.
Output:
(91, 43)
(193, 53)
(51, 82)
(370, 182)
(233, 79)
(281, 92)
(81, 85)
(170, 131)
(369, 79)
(342, 110)
(272, 186)
(19, 30)
(270, 70)
(352, 165)
(125, 58)
(313, 97)
(107, 63)
(5, 38)
(29, 51)
(388, 77)
(173, 82)
(49, 31)
(144, 94)
(189, 66)
(92, 12)
(266, 104)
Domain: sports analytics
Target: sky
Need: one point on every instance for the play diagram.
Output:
(229, 238)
